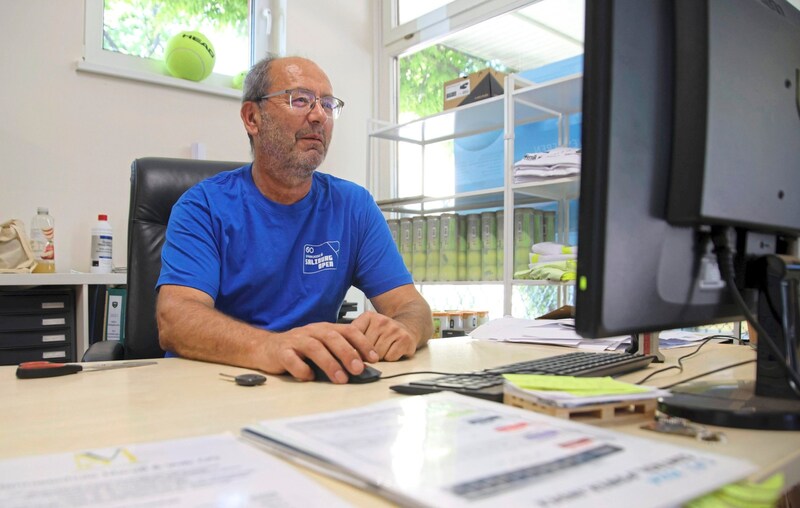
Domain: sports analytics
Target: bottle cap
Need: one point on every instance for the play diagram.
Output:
(102, 216)
(42, 209)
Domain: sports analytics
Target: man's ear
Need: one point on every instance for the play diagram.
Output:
(251, 117)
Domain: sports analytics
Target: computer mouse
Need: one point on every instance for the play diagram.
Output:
(368, 375)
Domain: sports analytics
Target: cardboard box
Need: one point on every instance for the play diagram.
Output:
(477, 86)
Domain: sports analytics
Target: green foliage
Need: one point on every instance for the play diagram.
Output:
(423, 75)
(143, 27)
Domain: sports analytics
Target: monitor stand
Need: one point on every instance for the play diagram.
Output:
(771, 402)
(731, 405)
(647, 344)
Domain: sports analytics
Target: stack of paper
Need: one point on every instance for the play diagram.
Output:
(561, 332)
(446, 449)
(569, 391)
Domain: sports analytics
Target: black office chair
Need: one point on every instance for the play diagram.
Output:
(156, 184)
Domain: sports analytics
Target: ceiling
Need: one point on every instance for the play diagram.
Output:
(545, 32)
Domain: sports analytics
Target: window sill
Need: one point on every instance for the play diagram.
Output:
(168, 81)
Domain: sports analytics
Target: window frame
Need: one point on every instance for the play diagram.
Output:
(269, 20)
(393, 41)
(457, 15)
(396, 40)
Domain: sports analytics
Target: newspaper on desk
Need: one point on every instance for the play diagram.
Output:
(446, 449)
(561, 332)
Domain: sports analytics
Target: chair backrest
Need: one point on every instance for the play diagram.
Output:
(156, 184)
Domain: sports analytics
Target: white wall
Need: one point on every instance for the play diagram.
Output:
(67, 138)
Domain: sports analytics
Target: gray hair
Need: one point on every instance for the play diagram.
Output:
(256, 84)
(258, 80)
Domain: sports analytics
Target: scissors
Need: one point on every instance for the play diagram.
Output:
(31, 370)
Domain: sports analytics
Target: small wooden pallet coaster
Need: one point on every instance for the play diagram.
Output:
(596, 414)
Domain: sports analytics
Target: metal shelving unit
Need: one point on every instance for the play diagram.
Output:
(528, 103)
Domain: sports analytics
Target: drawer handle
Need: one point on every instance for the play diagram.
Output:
(48, 355)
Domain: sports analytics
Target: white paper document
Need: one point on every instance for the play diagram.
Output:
(671, 339)
(554, 332)
(208, 471)
(446, 449)
(561, 332)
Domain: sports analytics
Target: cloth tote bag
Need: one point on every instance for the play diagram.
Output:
(16, 255)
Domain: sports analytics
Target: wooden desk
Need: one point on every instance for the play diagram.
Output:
(180, 398)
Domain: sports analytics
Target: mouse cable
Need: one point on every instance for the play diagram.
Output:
(704, 374)
(484, 374)
(680, 360)
(476, 374)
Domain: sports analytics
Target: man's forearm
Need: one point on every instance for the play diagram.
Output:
(409, 309)
(416, 316)
(194, 330)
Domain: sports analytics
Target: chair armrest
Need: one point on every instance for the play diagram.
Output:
(104, 351)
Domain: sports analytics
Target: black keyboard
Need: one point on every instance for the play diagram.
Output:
(488, 383)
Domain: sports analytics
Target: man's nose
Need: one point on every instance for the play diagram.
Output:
(317, 113)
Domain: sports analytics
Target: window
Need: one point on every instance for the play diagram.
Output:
(521, 39)
(409, 10)
(410, 22)
(500, 34)
(127, 38)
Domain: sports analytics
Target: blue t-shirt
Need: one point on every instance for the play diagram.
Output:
(279, 266)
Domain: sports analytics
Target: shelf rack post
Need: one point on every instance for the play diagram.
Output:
(508, 194)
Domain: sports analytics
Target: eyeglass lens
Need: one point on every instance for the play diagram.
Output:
(305, 100)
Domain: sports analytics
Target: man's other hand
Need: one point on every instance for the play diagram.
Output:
(390, 338)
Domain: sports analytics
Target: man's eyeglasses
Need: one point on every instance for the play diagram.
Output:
(301, 101)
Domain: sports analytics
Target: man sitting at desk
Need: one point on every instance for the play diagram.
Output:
(257, 260)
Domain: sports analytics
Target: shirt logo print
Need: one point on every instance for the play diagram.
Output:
(318, 258)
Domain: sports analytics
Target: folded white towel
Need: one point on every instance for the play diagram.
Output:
(547, 172)
(535, 258)
(556, 156)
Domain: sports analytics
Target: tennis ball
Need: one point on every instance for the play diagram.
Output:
(189, 55)
(238, 81)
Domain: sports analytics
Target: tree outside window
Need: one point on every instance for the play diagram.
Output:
(422, 78)
(424, 73)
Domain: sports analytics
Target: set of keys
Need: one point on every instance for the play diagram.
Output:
(683, 427)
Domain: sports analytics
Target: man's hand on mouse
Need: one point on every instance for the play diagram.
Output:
(334, 347)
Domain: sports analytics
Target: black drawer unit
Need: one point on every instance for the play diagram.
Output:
(37, 324)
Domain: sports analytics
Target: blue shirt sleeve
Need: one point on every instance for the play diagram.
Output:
(380, 266)
(190, 255)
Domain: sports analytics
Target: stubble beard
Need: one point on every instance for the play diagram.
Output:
(295, 166)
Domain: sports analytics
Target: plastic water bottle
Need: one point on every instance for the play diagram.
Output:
(42, 241)
(102, 245)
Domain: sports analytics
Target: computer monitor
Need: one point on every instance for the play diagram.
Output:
(691, 135)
